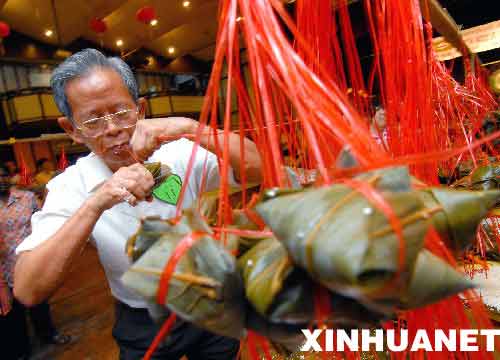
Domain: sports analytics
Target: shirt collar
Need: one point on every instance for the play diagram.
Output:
(95, 172)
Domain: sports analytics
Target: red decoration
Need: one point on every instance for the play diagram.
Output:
(24, 171)
(98, 25)
(4, 29)
(145, 14)
(63, 161)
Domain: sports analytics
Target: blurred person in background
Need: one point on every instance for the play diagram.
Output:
(45, 171)
(16, 209)
(13, 170)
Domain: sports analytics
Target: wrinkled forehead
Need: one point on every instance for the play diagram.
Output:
(98, 91)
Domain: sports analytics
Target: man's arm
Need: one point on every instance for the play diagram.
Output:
(40, 271)
(151, 133)
(251, 164)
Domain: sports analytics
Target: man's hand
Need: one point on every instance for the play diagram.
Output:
(131, 184)
(150, 134)
(41, 271)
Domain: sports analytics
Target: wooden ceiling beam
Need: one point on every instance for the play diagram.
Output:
(442, 21)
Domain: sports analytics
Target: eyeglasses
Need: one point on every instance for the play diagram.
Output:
(96, 126)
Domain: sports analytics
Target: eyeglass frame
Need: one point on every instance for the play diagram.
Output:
(109, 117)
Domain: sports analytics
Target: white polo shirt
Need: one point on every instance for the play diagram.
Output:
(68, 191)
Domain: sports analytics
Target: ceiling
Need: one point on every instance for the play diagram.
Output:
(190, 30)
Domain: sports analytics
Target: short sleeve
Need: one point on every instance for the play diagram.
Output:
(60, 204)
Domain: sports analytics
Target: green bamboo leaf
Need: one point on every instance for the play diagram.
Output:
(288, 335)
(349, 246)
(206, 288)
(151, 229)
(339, 237)
(159, 171)
(264, 269)
(441, 283)
(283, 293)
(462, 211)
(486, 177)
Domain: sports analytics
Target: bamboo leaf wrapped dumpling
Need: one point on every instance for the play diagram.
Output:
(159, 171)
(432, 280)
(151, 229)
(486, 177)
(206, 287)
(283, 293)
(342, 240)
(459, 212)
(349, 246)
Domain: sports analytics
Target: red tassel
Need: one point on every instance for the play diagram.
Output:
(26, 178)
(63, 161)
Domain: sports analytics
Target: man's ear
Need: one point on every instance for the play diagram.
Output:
(70, 129)
(142, 107)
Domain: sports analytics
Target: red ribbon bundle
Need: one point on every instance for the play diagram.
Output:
(297, 94)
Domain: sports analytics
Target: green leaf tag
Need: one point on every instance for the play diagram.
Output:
(169, 190)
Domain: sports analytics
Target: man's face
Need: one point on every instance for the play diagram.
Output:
(102, 92)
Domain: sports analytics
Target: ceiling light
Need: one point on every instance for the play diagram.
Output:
(171, 49)
(49, 33)
(186, 4)
(239, 18)
(119, 42)
(154, 22)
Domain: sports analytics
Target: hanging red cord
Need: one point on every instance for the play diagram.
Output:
(162, 334)
(297, 95)
(63, 161)
(182, 247)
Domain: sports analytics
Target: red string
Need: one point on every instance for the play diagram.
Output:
(244, 233)
(376, 198)
(182, 247)
(322, 310)
(164, 331)
(252, 348)
(252, 339)
(297, 96)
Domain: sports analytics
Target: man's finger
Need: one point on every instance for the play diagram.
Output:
(130, 199)
(139, 191)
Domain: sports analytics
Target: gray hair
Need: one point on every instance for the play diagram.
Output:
(80, 64)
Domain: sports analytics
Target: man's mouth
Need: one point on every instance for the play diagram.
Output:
(120, 148)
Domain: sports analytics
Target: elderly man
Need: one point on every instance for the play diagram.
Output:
(101, 198)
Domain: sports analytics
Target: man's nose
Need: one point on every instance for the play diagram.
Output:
(112, 128)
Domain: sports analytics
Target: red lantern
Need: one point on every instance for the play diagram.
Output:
(145, 14)
(4, 29)
(98, 25)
